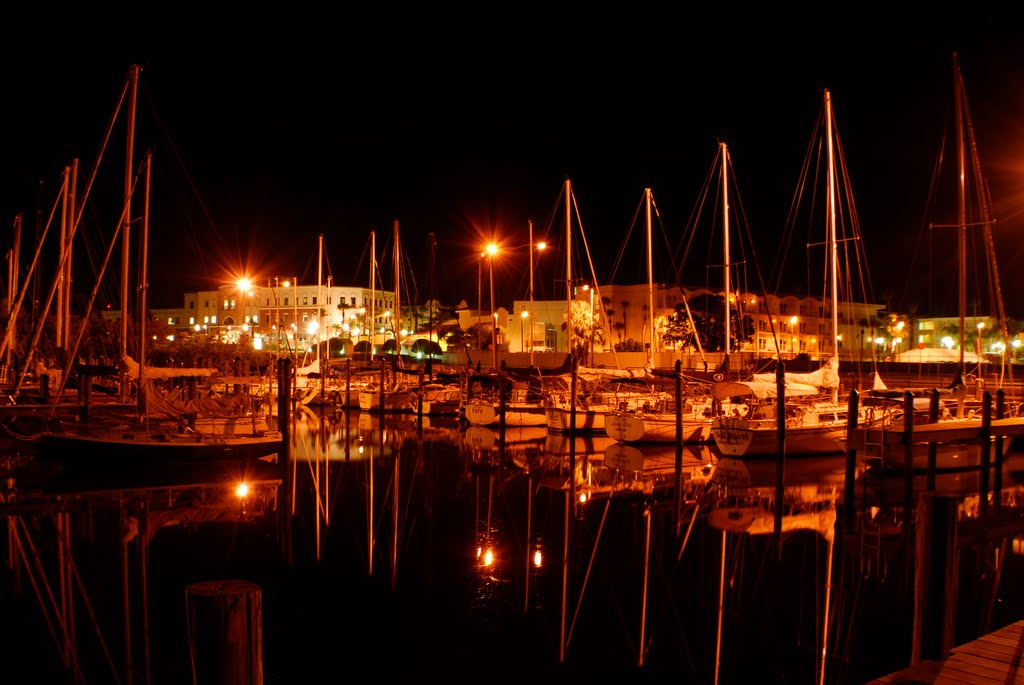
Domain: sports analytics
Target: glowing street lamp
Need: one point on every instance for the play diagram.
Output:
(539, 247)
(491, 251)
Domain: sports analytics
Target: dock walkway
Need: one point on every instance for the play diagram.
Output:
(993, 658)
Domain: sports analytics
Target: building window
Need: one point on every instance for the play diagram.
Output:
(305, 300)
(285, 300)
(191, 321)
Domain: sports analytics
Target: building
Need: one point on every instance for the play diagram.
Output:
(286, 316)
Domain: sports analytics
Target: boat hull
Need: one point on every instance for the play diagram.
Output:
(488, 414)
(752, 438)
(632, 427)
(158, 446)
(559, 419)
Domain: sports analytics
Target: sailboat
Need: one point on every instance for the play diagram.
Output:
(801, 413)
(163, 428)
(689, 418)
(600, 393)
(392, 391)
(973, 214)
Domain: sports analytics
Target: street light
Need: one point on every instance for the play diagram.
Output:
(479, 304)
(492, 249)
(540, 248)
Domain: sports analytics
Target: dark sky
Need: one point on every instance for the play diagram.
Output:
(269, 130)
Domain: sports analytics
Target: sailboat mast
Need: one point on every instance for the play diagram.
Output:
(961, 237)
(568, 265)
(143, 282)
(727, 280)
(127, 220)
(397, 326)
(372, 329)
(650, 280)
(833, 247)
(530, 320)
(319, 291)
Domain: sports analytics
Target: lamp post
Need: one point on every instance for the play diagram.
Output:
(479, 304)
(492, 250)
(540, 248)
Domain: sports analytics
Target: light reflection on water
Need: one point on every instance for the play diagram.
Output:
(428, 547)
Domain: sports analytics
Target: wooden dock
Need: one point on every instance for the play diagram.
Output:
(943, 431)
(993, 658)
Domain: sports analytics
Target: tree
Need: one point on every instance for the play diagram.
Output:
(585, 332)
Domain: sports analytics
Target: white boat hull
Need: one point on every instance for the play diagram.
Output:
(489, 414)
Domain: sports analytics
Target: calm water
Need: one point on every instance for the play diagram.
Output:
(407, 549)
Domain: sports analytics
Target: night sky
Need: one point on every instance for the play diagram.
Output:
(268, 130)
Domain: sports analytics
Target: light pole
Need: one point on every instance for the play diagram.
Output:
(492, 250)
(540, 248)
(479, 304)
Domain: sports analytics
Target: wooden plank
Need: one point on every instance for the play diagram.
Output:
(996, 658)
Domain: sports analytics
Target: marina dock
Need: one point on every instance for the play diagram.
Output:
(993, 658)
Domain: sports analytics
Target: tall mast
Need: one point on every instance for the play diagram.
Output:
(13, 257)
(143, 280)
(961, 237)
(568, 265)
(530, 318)
(319, 292)
(833, 247)
(372, 332)
(397, 326)
(650, 281)
(725, 250)
(127, 218)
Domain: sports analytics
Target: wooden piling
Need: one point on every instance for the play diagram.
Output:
(935, 577)
(225, 632)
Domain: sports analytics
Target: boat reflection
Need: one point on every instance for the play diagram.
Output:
(572, 537)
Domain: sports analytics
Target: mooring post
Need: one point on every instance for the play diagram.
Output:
(225, 632)
(851, 462)
(985, 437)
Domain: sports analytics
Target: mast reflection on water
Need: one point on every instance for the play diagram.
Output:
(418, 546)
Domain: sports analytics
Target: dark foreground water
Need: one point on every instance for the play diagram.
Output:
(426, 550)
